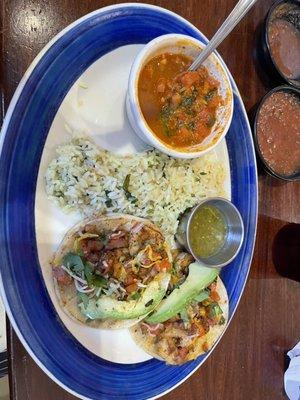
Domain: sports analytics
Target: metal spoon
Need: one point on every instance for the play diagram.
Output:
(241, 9)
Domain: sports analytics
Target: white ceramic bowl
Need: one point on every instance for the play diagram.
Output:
(188, 46)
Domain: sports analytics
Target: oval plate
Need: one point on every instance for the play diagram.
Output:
(25, 130)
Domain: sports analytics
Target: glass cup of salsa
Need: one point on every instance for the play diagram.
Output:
(212, 231)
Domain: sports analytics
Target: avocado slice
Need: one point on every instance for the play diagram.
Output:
(199, 278)
(109, 308)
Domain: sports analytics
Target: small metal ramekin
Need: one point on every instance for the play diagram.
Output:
(234, 232)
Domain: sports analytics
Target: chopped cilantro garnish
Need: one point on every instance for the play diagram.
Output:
(74, 262)
(214, 310)
(210, 94)
(188, 101)
(99, 281)
(88, 273)
(135, 296)
(126, 183)
(84, 299)
(128, 195)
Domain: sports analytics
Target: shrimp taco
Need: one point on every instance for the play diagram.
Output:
(111, 271)
(190, 319)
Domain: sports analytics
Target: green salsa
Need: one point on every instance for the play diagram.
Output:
(207, 231)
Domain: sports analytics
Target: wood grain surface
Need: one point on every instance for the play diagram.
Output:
(250, 360)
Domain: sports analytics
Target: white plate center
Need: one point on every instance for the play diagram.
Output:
(95, 106)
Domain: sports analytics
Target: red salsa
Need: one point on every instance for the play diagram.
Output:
(278, 132)
(284, 40)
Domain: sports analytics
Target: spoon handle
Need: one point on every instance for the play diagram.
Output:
(241, 8)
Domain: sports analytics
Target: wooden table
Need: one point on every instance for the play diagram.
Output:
(250, 361)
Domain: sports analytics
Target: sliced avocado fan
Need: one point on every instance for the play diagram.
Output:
(109, 308)
(199, 278)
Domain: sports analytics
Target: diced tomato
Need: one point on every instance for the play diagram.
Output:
(190, 78)
(214, 295)
(130, 280)
(131, 288)
(163, 265)
(214, 102)
(201, 330)
(176, 99)
(205, 346)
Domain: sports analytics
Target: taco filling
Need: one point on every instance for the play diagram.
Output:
(177, 337)
(192, 330)
(118, 261)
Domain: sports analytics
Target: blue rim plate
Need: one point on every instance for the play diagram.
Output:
(24, 132)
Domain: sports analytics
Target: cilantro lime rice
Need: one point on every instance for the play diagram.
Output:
(152, 185)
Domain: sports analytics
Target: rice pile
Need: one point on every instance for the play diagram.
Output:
(151, 184)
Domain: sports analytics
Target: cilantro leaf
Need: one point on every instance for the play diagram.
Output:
(99, 281)
(88, 273)
(214, 310)
(74, 262)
